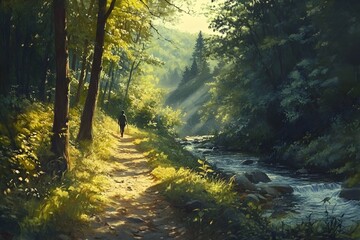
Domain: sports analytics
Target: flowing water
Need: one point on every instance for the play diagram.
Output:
(309, 190)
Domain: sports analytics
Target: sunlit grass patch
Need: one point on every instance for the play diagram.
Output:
(184, 179)
(210, 205)
(39, 205)
(69, 203)
(195, 186)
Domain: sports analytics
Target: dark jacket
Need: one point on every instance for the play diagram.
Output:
(122, 120)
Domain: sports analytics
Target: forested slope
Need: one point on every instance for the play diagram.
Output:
(172, 48)
(190, 98)
(192, 93)
(290, 87)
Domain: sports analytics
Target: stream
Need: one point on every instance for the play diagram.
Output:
(309, 190)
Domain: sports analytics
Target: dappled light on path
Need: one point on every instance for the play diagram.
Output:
(136, 209)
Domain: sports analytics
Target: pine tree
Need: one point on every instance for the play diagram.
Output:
(199, 53)
(194, 70)
(186, 75)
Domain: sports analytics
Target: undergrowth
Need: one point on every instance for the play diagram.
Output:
(35, 205)
(211, 205)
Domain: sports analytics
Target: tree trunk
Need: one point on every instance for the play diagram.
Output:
(106, 86)
(104, 93)
(82, 74)
(27, 69)
(60, 137)
(44, 76)
(18, 52)
(74, 59)
(134, 66)
(110, 88)
(85, 132)
(5, 29)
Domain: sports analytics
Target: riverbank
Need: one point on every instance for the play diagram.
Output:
(297, 194)
(38, 206)
(350, 185)
(190, 185)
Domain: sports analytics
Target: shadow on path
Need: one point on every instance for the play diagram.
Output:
(136, 209)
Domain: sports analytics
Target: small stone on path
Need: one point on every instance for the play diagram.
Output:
(136, 210)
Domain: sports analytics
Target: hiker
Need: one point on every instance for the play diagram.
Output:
(122, 121)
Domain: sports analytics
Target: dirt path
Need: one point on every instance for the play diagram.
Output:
(136, 210)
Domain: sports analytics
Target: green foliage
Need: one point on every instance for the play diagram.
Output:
(39, 204)
(146, 108)
(290, 84)
(221, 212)
(192, 92)
(337, 149)
(172, 49)
(26, 45)
(23, 138)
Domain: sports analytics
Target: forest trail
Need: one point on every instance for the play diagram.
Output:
(136, 210)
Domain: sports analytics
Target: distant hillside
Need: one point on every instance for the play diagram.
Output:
(192, 92)
(174, 48)
(190, 97)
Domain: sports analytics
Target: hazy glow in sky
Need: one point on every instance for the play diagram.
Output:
(195, 22)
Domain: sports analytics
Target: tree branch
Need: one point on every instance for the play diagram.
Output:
(112, 5)
(148, 8)
(158, 33)
(177, 7)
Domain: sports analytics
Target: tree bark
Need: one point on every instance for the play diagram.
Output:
(44, 76)
(110, 88)
(82, 74)
(104, 93)
(60, 137)
(5, 29)
(133, 67)
(85, 132)
(74, 59)
(106, 86)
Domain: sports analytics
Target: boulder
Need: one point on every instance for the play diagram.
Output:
(243, 183)
(283, 188)
(248, 162)
(350, 193)
(261, 197)
(207, 145)
(301, 171)
(192, 205)
(269, 191)
(257, 176)
(252, 198)
(275, 190)
(231, 216)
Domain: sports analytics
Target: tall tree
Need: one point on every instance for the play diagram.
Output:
(199, 52)
(82, 26)
(5, 28)
(194, 70)
(85, 132)
(60, 137)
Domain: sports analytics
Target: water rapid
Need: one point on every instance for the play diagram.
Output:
(313, 196)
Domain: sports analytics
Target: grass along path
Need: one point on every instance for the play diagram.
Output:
(136, 209)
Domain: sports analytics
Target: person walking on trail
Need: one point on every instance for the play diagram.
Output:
(122, 121)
